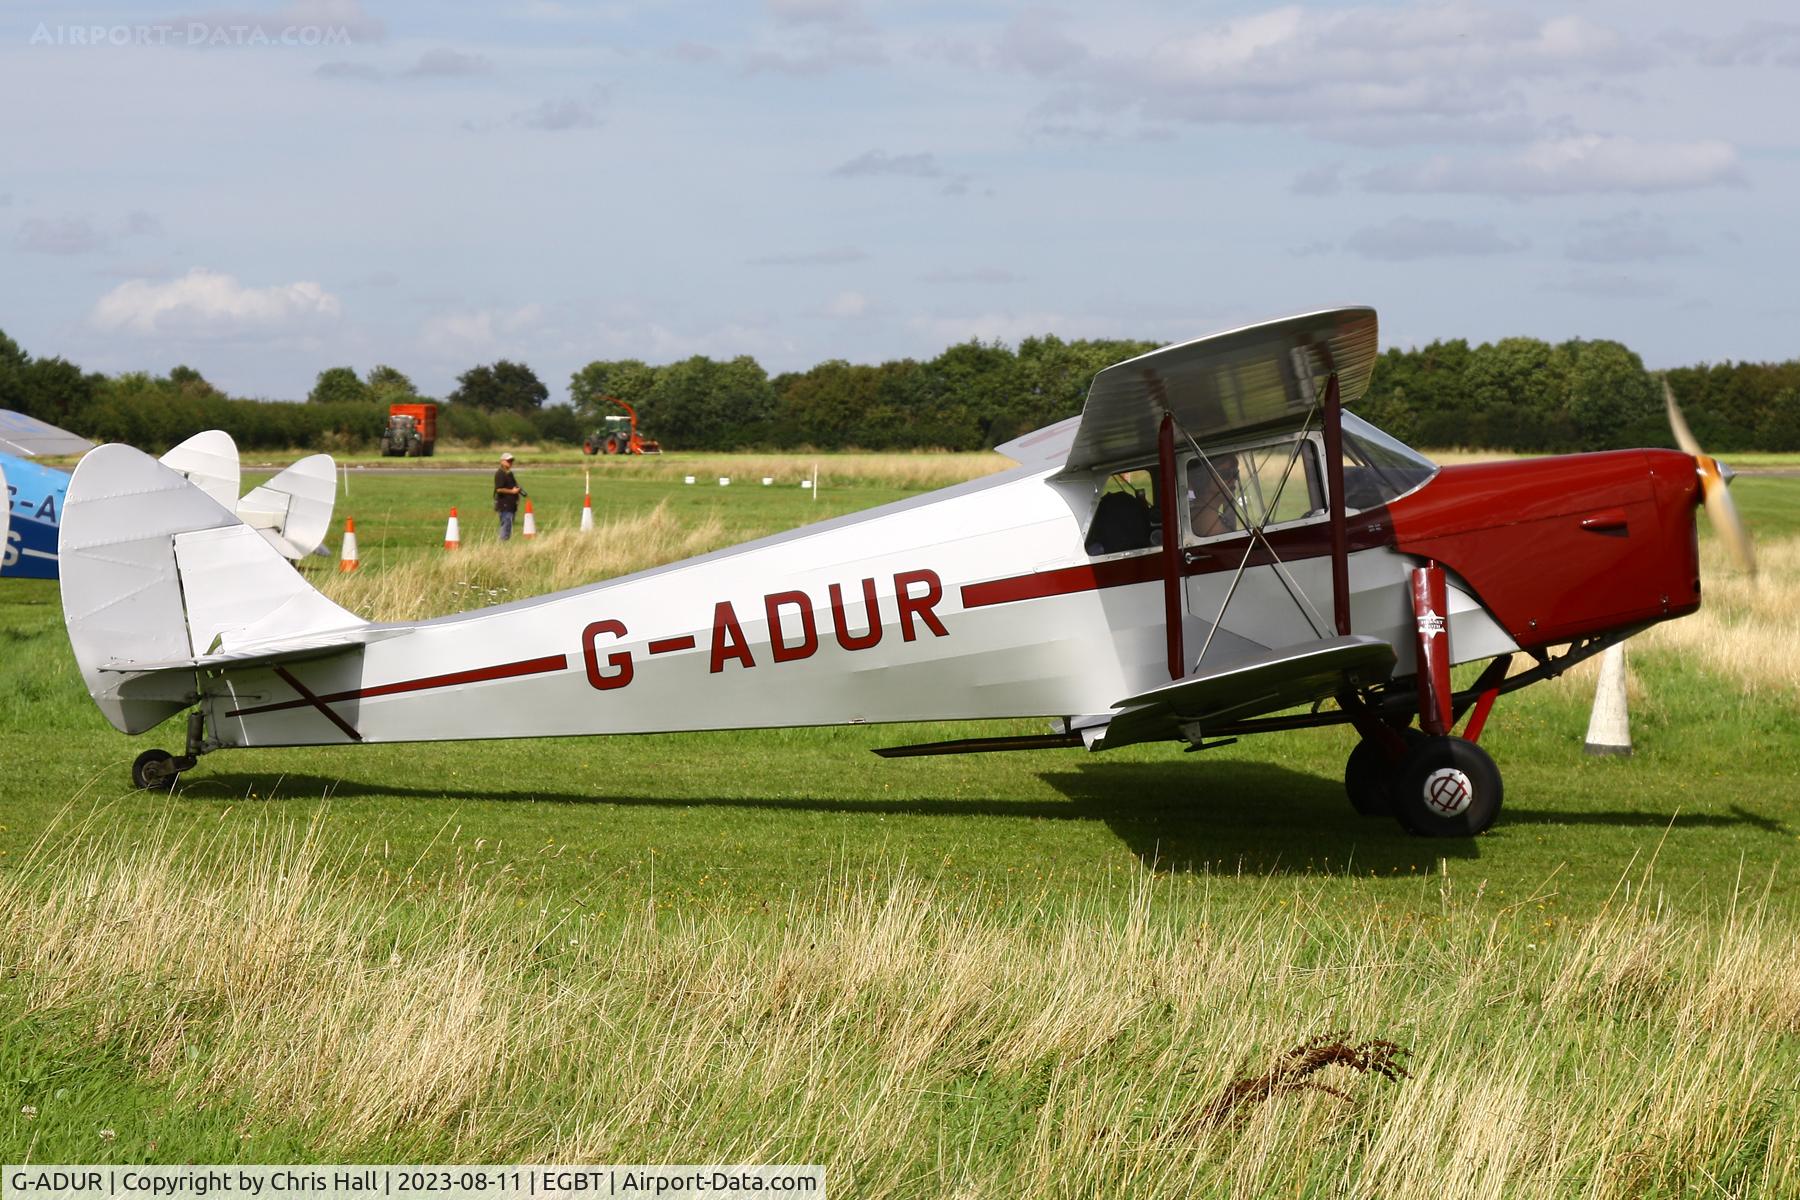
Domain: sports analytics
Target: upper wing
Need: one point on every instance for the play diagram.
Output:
(29, 437)
(1242, 380)
(1268, 682)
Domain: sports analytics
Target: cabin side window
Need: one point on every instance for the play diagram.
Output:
(1230, 491)
(1127, 516)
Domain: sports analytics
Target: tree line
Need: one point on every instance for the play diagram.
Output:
(1518, 394)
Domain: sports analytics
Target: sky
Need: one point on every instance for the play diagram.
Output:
(267, 191)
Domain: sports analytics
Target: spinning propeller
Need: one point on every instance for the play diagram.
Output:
(1714, 489)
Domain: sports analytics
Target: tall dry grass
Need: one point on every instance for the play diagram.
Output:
(912, 471)
(1748, 628)
(922, 1043)
(490, 572)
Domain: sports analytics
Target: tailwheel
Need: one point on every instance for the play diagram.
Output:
(1369, 774)
(1447, 787)
(156, 770)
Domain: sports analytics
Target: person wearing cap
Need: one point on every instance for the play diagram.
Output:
(506, 495)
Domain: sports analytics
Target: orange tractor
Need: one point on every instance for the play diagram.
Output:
(620, 435)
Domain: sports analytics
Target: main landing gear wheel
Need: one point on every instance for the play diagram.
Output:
(155, 770)
(1447, 787)
(1369, 776)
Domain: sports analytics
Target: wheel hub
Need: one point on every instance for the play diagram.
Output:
(1448, 792)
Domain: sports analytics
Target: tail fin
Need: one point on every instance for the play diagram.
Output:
(209, 461)
(158, 578)
(293, 510)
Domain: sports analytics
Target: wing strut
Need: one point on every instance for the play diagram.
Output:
(1171, 544)
(1334, 474)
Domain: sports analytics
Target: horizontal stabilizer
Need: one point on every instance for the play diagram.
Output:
(293, 510)
(1246, 687)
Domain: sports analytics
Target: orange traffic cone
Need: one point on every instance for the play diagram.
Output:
(587, 513)
(530, 520)
(452, 532)
(347, 559)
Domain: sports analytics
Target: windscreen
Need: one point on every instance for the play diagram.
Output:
(1378, 468)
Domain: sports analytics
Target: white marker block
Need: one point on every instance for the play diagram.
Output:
(724, 481)
(1609, 725)
(768, 481)
(688, 479)
(806, 483)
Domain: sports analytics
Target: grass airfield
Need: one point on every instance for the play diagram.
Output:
(1023, 974)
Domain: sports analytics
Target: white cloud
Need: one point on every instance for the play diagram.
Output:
(1365, 74)
(560, 116)
(481, 331)
(1590, 163)
(1408, 239)
(1757, 43)
(880, 162)
(847, 305)
(206, 303)
(449, 64)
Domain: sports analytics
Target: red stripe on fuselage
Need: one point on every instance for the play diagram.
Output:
(512, 670)
(1367, 531)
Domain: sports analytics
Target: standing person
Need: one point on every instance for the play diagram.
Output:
(506, 495)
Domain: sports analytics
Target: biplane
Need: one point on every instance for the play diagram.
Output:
(34, 493)
(292, 511)
(1214, 548)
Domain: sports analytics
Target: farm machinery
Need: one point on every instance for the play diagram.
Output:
(619, 434)
(411, 431)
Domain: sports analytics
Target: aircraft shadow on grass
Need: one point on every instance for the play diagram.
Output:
(1252, 818)
(1229, 818)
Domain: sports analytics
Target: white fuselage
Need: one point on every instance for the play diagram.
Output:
(985, 604)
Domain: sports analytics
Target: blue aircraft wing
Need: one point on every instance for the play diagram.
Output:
(35, 499)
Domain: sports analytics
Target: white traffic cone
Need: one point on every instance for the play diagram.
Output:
(453, 533)
(1609, 728)
(347, 560)
(530, 520)
(587, 514)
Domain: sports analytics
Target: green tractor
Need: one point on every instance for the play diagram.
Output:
(619, 435)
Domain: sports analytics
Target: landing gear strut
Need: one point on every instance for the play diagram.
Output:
(158, 770)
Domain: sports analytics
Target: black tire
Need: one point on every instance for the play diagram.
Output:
(1447, 787)
(587, 447)
(1369, 776)
(154, 770)
(615, 445)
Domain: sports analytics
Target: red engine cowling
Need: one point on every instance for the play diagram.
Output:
(1563, 548)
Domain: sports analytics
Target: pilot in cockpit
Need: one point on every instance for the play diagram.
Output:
(1212, 498)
